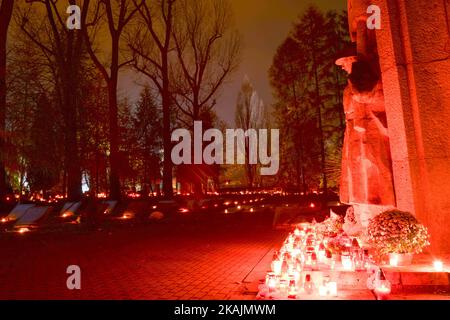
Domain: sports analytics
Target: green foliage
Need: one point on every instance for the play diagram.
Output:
(43, 169)
(308, 88)
(142, 132)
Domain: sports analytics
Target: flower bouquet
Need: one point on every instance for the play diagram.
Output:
(397, 232)
(332, 225)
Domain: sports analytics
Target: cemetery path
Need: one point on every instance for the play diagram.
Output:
(156, 261)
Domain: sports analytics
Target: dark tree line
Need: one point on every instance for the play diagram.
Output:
(6, 9)
(308, 89)
(65, 123)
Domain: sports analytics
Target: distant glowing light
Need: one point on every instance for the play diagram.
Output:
(23, 230)
(438, 265)
(127, 215)
(312, 205)
(184, 210)
(393, 260)
(4, 220)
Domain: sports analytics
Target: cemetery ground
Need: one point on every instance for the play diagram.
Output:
(204, 257)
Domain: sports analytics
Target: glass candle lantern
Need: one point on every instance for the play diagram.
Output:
(292, 290)
(314, 260)
(276, 266)
(308, 285)
(321, 252)
(296, 275)
(283, 285)
(347, 263)
(332, 289)
(393, 260)
(438, 266)
(271, 281)
(323, 291)
(382, 289)
(276, 255)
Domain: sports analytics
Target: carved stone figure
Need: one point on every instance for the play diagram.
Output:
(366, 165)
(366, 178)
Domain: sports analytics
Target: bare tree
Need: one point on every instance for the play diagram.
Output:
(64, 48)
(250, 114)
(6, 9)
(150, 46)
(208, 51)
(118, 14)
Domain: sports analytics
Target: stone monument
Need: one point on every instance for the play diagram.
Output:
(406, 111)
(367, 179)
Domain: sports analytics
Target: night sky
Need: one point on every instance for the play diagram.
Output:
(263, 24)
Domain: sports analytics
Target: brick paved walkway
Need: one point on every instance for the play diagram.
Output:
(194, 261)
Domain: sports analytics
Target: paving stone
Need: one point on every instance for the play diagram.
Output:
(151, 262)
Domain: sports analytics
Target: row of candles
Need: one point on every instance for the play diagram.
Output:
(304, 251)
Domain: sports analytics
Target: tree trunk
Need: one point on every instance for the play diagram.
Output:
(72, 160)
(167, 167)
(114, 180)
(114, 177)
(321, 135)
(70, 82)
(5, 17)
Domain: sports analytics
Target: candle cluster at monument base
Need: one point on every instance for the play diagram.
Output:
(316, 262)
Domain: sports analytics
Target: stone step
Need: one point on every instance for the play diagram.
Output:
(418, 282)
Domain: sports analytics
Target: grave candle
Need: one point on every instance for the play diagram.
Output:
(332, 289)
(383, 289)
(271, 281)
(393, 260)
(276, 266)
(347, 263)
(292, 292)
(438, 265)
(323, 291)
